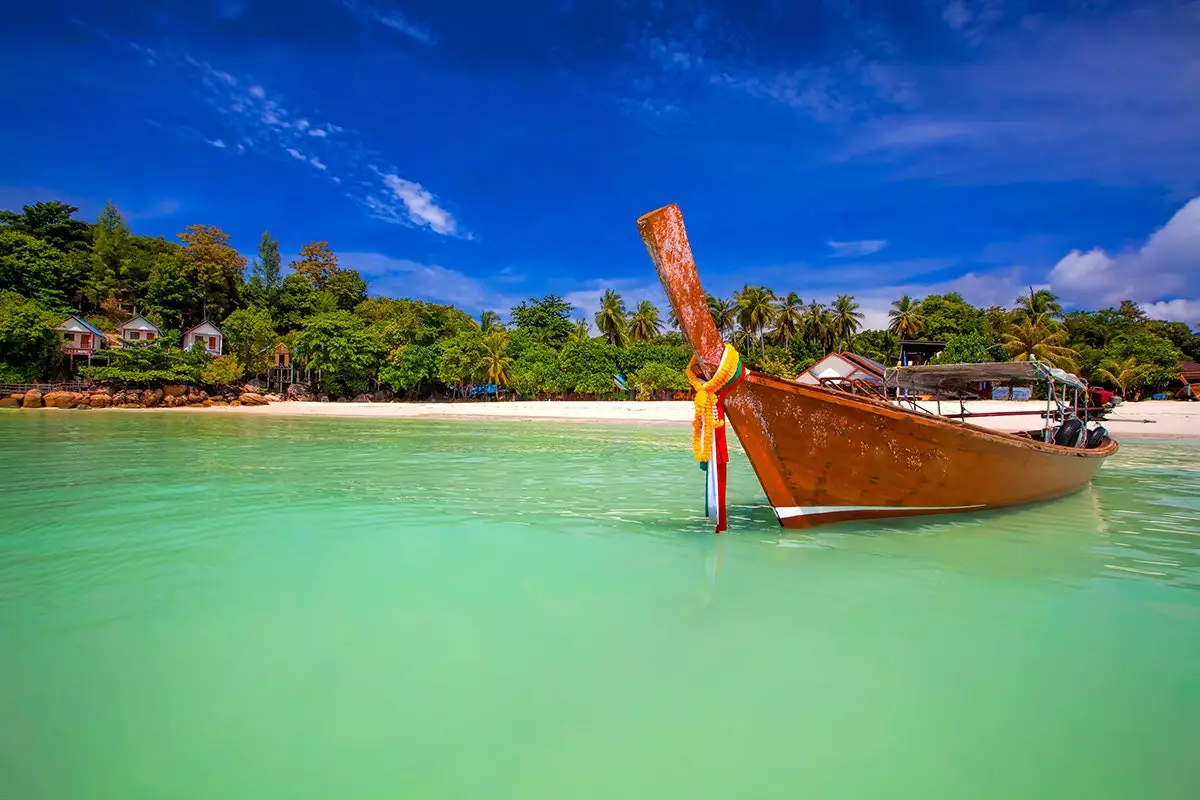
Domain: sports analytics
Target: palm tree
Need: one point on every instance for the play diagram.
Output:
(724, 314)
(1122, 374)
(755, 311)
(816, 325)
(581, 331)
(489, 321)
(495, 363)
(845, 318)
(1041, 301)
(906, 320)
(1039, 336)
(644, 324)
(610, 319)
(789, 319)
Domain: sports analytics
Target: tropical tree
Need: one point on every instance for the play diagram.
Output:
(581, 331)
(816, 325)
(789, 319)
(265, 271)
(546, 320)
(845, 319)
(905, 318)
(1124, 374)
(1038, 302)
(755, 311)
(1040, 337)
(610, 319)
(643, 323)
(724, 314)
(490, 321)
(251, 336)
(494, 363)
(317, 263)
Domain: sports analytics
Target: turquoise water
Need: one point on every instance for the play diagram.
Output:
(232, 606)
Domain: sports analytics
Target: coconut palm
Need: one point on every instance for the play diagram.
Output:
(789, 319)
(906, 319)
(581, 330)
(494, 363)
(1039, 302)
(489, 321)
(1122, 374)
(643, 323)
(610, 319)
(1039, 336)
(845, 319)
(724, 314)
(816, 324)
(755, 311)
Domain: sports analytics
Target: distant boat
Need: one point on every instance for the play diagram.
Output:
(824, 455)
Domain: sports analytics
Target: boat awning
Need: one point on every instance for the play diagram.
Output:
(964, 378)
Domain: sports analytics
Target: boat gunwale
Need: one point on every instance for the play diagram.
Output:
(826, 394)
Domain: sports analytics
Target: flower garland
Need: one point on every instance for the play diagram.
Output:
(709, 444)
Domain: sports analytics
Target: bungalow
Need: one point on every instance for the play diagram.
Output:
(79, 338)
(207, 334)
(915, 353)
(139, 329)
(846, 370)
(1189, 376)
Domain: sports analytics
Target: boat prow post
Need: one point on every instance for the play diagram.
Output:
(666, 241)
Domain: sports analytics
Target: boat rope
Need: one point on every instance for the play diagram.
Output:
(709, 444)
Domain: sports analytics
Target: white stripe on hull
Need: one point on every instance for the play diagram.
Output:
(783, 512)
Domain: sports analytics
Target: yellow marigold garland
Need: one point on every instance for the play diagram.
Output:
(706, 418)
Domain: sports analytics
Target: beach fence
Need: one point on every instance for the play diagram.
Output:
(68, 386)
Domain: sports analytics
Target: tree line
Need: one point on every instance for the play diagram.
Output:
(53, 264)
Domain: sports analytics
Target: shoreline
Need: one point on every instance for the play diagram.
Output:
(1167, 419)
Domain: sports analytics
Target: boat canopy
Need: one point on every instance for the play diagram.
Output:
(955, 379)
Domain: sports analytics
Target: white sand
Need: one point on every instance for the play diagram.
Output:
(1168, 418)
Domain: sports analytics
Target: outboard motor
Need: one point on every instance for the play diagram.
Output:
(1096, 437)
(1072, 433)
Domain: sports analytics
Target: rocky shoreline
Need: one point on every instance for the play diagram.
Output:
(171, 396)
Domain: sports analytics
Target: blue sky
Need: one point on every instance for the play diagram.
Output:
(479, 153)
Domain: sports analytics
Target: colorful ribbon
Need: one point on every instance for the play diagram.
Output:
(709, 443)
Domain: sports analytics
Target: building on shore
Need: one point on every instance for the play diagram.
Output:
(139, 329)
(847, 371)
(208, 335)
(914, 353)
(80, 338)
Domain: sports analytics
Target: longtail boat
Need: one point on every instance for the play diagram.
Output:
(826, 455)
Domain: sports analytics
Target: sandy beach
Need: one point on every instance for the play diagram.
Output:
(1152, 419)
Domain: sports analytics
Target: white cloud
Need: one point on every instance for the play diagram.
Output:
(400, 277)
(296, 154)
(587, 299)
(258, 91)
(316, 162)
(391, 18)
(318, 132)
(216, 143)
(421, 206)
(862, 247)
(1161, 274)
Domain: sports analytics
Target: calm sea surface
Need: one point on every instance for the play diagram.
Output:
(242, 607)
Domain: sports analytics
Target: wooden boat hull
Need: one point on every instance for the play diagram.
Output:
(824, 456)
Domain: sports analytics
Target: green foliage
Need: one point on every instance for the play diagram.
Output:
(778, 361)
(458, 364)
(946, 315)
(251, 337)
(28, 339)
(146, 364)
(631, 359)
(337, 344)
(170, 293)
(654, 376)
(213, 269)
(409, 367)
(547, 320)
(221, 371)
(585, 365)
(1157, 358)
(265, 271)
(881, 346)
(970, 348)
(53, 223)
(38, 270)
(347, 288)
(297, 299)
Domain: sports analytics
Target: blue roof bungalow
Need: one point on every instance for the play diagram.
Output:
(80, 339)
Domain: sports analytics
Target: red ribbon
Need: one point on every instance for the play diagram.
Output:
(721, 450)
